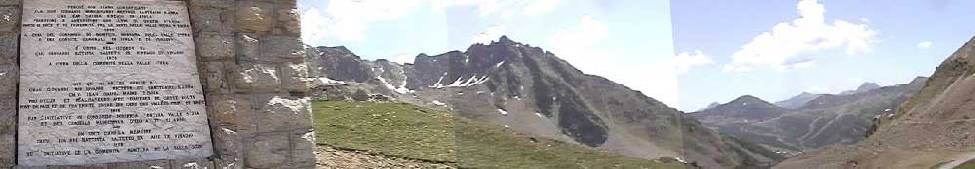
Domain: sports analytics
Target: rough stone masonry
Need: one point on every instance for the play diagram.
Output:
(250, 64)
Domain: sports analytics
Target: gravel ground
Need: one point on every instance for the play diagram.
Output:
(330, 157)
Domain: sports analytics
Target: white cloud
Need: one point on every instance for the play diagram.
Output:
(577, 44)
(490, 34)
(313, 23)
(347, 20)
(657, 80)
(804, 64)
(502, 8)
(924, 45)
(784, 46)
(484, 7)
(588, 32)
(836, 87)
(855, 81)
(540, 7)
(403, 58)
(818, 89)
(580, 45)
(685, 61)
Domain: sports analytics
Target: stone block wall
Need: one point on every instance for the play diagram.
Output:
(9, 33)
(251, 63)
(254, 74)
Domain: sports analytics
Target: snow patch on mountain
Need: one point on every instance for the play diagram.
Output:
(499, 64)
(439, 83)
(474, 80)
(438, 103)
(503, 112)
(398, 89)
(324, 81)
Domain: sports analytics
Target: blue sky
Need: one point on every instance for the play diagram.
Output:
(686, 53)
(824, 46)
(629, 42)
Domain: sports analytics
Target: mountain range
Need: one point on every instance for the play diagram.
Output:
(925, 123)
(797, 101)
(531, 90)
(932, 129)
(808, 121)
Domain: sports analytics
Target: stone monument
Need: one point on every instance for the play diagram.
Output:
(153, 83)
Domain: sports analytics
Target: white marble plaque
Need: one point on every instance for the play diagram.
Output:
(106, 81)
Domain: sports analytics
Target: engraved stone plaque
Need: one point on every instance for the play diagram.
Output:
(108, 81)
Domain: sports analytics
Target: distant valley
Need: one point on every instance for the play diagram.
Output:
(808, 121)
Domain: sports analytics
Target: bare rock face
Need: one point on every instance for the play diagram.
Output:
(10, 14)
(931, 128)
(342, 65)
(532, 90)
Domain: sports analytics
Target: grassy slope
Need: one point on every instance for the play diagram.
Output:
(405, 130)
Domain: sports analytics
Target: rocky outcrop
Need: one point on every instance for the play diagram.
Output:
(343, 65)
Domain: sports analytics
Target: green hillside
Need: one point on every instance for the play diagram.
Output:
(408, 131)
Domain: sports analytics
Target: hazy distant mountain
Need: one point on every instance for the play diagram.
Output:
(797, 101)
(932, 128)
(533, 91)
(743, 110)
(822, 120)
(800, 100)
(863, 88)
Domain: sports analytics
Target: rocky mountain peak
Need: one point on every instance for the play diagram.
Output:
(744, 109)
(504, 40)
(797, 101)
(749, 99)
(865, 87)
(712, 105)
(336, 51)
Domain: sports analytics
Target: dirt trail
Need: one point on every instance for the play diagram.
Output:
(337, 158)
(958, 160)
